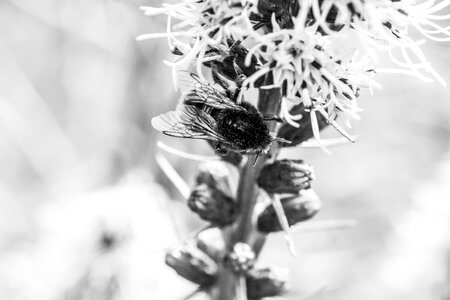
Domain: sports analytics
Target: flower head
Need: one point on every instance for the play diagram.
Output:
(203, 24)
(303, 63)
(291, 46)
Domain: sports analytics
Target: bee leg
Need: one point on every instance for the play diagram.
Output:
(234, 45)
(275, 118)
(220, 149)
(256, 158)
(260, 24)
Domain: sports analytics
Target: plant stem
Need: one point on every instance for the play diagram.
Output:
(229, 284)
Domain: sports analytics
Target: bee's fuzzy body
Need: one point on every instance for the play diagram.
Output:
(209, 114)
(242, 130)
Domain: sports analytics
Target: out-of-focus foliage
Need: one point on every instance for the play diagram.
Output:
(101, 245)
(76, 96)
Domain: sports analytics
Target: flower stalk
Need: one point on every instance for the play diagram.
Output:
(229, 285)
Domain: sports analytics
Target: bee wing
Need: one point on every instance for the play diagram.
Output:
(187, 122)
(185, 80)
(207, 94)
(210, 97)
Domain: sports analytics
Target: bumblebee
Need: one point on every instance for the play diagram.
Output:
(207, 113)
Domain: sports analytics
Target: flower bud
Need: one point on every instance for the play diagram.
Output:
(299, 135)
(286, 176)
(211, 198)
(193, 265)
(241, 259)
(211, 242)
(267, 282)
(297, 209)
(212, 205)
(216, 175)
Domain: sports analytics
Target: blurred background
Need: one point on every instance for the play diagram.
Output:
(85, 212)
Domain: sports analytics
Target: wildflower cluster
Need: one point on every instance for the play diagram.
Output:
(319, 52)
(309, 61)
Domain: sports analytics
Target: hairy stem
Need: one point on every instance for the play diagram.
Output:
(231, 286)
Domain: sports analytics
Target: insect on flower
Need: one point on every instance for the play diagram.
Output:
(207, 113)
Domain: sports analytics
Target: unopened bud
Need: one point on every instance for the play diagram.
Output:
(286, 176)
(216, 175)
(241, 259)
(297, 209)
(193, 265)
(212, 197)
(299, 135)
(211, 242)
(212, 205)
(267, 282)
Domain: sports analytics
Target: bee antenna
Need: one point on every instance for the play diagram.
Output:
(275, 138)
